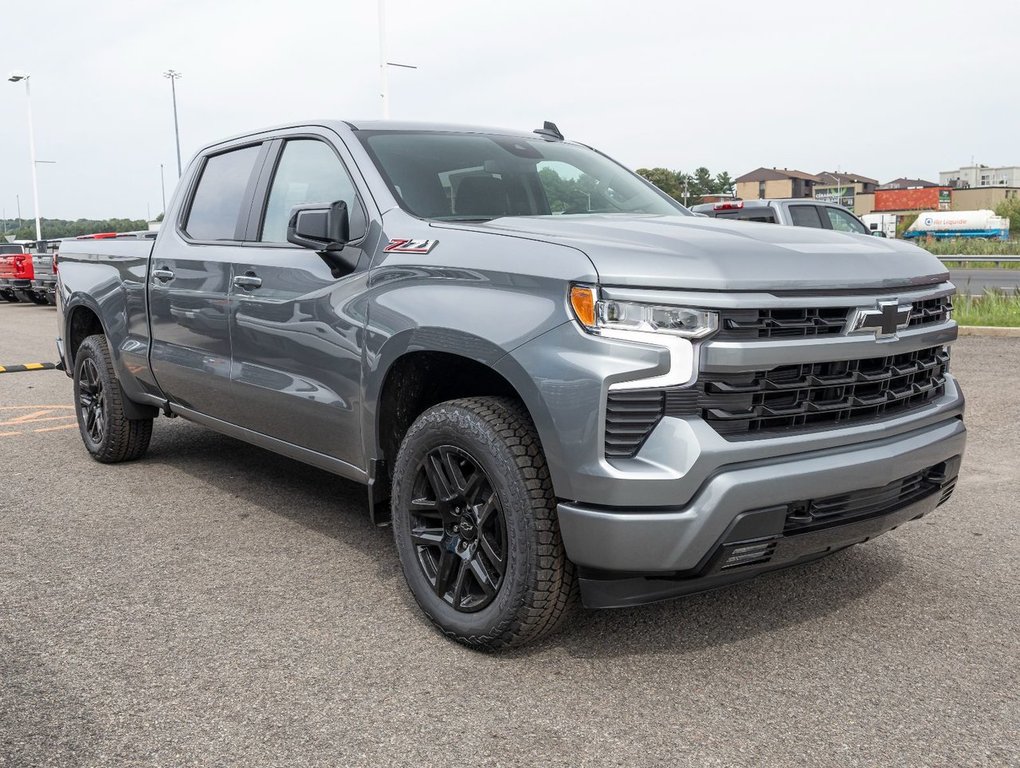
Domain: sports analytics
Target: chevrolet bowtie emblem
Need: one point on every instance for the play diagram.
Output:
(889, 317)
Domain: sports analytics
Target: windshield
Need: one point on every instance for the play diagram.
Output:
(476, 177)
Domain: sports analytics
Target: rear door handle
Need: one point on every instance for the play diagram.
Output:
(248, 281)
(163, 274)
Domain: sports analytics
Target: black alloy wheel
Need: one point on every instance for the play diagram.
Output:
(458, 529)
(109, 433)
(92, 401)
(475, 525)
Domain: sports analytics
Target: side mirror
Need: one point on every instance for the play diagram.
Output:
(326, 229)
(878, 233)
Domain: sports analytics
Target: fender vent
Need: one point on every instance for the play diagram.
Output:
(632, 414)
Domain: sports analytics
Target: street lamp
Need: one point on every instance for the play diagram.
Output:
(174, 76)
(16, 77)
(383, 64)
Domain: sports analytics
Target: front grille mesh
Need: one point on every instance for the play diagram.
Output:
(788, 399)
(807, 322)
(814, 514)
(809, 395)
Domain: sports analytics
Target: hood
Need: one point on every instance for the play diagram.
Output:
(694, 253)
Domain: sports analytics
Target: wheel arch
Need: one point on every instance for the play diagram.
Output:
(414, 380)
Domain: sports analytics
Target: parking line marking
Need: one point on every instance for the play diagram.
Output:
(28, 407)
(54, 429)
(35, 417)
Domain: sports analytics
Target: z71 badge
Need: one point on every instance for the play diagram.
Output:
(403, 245)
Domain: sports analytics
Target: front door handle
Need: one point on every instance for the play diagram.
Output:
(248, 281)
(163, 274)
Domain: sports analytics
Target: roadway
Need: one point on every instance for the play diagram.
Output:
(215, 604)
(977, 281)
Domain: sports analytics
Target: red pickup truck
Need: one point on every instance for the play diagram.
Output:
(16, 273)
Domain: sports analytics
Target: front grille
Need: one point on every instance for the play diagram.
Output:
(819, 395)
(744, 324)
(842, 508)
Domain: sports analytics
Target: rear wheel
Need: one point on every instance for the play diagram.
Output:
(474, 519)
(108, 434)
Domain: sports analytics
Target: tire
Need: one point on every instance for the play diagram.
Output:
(108, 434)
(484, 559)
(37, 298)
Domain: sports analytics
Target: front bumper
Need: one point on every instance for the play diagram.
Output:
(679, 544)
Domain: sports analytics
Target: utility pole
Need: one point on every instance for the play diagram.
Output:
(173, 76)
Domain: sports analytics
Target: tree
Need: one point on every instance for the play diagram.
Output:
(664, 179)
(1010, 209)
(723, 183)
(56, 228)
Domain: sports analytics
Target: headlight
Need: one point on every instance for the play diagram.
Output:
(596, 315)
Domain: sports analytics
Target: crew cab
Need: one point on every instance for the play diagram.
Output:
(793, 212)
(550, 376)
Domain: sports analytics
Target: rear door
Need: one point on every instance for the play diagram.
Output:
(189, 279)
(296, 330)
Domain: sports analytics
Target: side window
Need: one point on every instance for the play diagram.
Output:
(216, 206)
(309, 171)
(844, 222)
(805, 216)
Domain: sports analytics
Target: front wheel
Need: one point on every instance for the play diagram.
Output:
(474, 519)
(109, 435)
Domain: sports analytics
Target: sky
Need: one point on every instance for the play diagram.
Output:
(883, 89)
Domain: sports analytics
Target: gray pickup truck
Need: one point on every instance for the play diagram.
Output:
(550, 376)
(790, 211)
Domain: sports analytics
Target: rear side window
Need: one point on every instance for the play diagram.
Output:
(216, 206)
(805, 216)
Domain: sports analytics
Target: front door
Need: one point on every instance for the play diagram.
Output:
(189, 283)
(296, 337)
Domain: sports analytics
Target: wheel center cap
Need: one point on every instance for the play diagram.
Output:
(467, 527)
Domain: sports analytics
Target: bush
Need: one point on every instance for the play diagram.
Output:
(1010, 209)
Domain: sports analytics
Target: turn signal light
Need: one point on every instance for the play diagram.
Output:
(582, 299)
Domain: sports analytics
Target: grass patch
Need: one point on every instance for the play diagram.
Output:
(993, 308)
(967, 246)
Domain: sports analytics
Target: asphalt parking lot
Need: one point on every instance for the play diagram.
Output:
(214, 604)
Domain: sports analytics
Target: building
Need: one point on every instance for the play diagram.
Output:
(904, 183)
(775, 183)
(843, 188)
(982, 198)
(913, 199)
(981, 176)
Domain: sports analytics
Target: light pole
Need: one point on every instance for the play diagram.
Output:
(173, 76)
(162, 186)
(383, 64)
(14, 78)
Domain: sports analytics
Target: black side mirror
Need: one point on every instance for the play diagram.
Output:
(326, 229)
